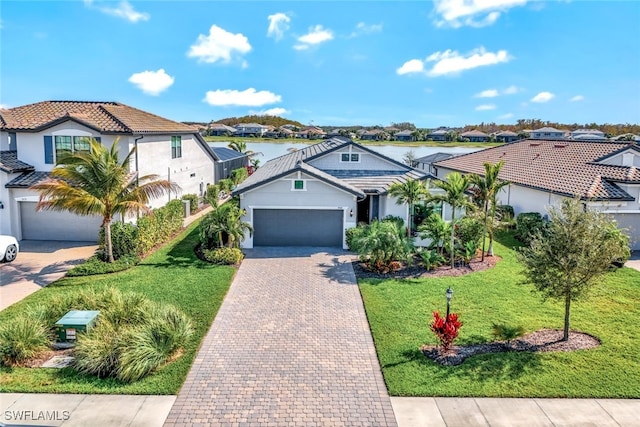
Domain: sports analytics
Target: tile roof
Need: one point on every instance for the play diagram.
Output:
(27, 179)
(354, 181)
(506, 133)
(547, 129)
(106, 117)
(9, 163)
(474, 132)
(562, 167)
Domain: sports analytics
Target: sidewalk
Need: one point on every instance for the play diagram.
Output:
(69, 410)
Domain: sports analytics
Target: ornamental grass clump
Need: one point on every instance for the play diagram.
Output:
(21, 339)
(446, 329)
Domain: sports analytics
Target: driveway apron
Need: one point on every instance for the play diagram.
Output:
(290, 346)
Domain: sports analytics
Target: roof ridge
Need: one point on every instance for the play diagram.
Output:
(594, 186)
(114, 118)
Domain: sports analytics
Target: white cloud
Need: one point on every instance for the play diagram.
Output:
(278, 25)
(123, 10)
(411, 66)
(485, 107)
(315, 36)
(489, 93)
(277, 111)
(543, 97)
(473, 13)
(219, 45)
(152, 82)
(4, 107)
(577, 98)
(511, 90)
(362, 29)
(451, 62)
(506, 116)
(249, 97)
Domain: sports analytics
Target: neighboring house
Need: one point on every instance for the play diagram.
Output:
(547, 133)
(591, 134)
(590, 137)
(33, 136)
(475, 136)
(311, 132)
(373, 135)
(227, 161)
(250, 129)
(405, 135)
(426, 163)
(506, 136)
(438, 135)
(311, 196)
(627, 137)
(219, 129)
(606, 175)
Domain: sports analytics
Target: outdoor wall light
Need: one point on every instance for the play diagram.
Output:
(1, 205)
(350, 212)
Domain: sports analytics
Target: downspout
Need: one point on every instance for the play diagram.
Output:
(135, 143)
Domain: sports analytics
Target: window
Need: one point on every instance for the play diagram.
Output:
(298, 184)
(353, 157)
(176, 147)
(70, 144)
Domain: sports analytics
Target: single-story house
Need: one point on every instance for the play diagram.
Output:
(506, 136)
(220, 129)
(580, 133)
(250, 129)
(311, 196)
(547, 133)
(475, 136)
(438, 135)
(426, 163)
(606, 175)
(405, 135)
(33, 136)
(374, 135)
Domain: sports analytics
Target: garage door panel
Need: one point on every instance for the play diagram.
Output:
(297, 227)
(631, 223)
(53, 225)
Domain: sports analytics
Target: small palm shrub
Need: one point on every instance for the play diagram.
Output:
(431, 259)
(22, 338)
(506, 333)
(381, 243)
(223, 256)
(437, 230)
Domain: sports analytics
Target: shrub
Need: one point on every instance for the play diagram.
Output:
(446, 329)
(223, 256)
(95, 265)
(225, 185)
(123, 239)
(430, 259)
(22, 338)
(469, 229)
(506, 333)
(98, 352)
(529, 224)
(380, 243)
(469, 251)
(193, 202)
(213, 195)
(505, 212)
(350, 234)
(159, 226)
(239, 175)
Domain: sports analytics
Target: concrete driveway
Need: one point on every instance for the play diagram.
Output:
(634, 261)
(38, 264)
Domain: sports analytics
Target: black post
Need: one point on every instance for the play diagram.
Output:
(449, 296)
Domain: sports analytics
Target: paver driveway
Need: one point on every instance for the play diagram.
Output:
(290, 346)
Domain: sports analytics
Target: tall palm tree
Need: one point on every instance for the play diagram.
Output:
(487, 188)
(409, 192)
(96, 182)
(454, 195)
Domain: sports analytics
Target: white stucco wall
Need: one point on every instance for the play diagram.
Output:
(279, 194)
(10, 206)
(368, 161)
(625, 158)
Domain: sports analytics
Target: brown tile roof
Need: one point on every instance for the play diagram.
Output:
(558, 166)
(106, 117)
(27, 179)
(474, 132)
(9, 163)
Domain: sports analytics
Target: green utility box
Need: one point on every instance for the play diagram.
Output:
(73, 322)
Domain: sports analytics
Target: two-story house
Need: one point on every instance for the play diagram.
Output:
(34, 136)
(250, 129)
(547, 133)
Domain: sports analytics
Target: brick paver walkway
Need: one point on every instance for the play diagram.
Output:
(290, 346)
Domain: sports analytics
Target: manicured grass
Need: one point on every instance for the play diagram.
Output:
(400, 311)
(316, 141)
(171, 275)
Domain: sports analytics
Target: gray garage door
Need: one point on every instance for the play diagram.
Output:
(297, 227)
(630, 222)
(50, 225)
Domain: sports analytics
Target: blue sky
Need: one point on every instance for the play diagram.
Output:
(441, 63)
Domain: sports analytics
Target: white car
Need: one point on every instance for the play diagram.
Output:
(9, 248)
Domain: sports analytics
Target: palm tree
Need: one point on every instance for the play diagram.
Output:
(487, 189)
(409, 192)
(223, 222)
(454, 195)
(95, 182)
(241, 146)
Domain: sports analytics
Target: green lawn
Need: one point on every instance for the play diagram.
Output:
(172, 275)
(374, 143)
(400, 311)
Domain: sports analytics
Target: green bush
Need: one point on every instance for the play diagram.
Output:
(505, 212)
(95, 265)
(225, 185)
(159, 226)
(382, 244)
(193, 202)
(469, 229)
(22, 338)
(98, 352)
(431, 259)
(529, 224)
(505, 332)
(239, 175)
(123, 239)
(350, 234)
(223, 256)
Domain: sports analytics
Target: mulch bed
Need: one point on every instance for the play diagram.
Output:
(416, 271)
(539, 341)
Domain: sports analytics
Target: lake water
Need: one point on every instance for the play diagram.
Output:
(271, 150)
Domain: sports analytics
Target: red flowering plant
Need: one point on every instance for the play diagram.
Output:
(446, 329)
